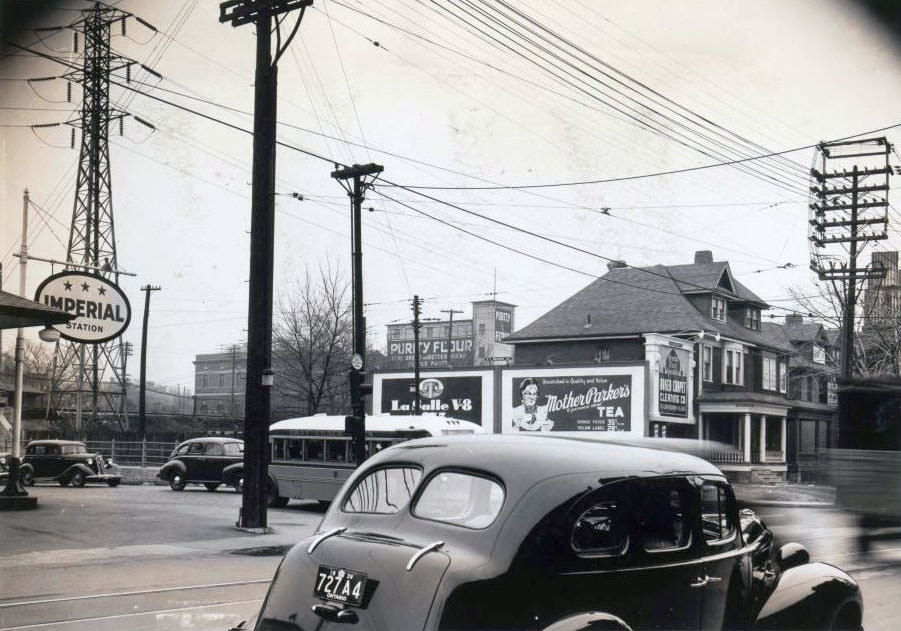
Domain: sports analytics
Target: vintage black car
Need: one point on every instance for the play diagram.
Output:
(547, 533)
(68, 462)
(201, 460)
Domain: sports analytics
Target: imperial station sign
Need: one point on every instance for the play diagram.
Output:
(102, 310)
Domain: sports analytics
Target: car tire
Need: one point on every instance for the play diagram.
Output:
(77, 479)
(211, 486)
(177, 481)
(273, 499)
(239, 485)
(27, 478)
(113, 483)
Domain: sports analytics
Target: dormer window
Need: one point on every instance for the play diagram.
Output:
(752, 318)
(718, 309)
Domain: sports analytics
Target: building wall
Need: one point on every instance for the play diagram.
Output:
(488, 348)
(219, 382)
(579, 351)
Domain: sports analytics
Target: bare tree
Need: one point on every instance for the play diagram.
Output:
(312, 345)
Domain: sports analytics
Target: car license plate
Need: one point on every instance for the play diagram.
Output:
(340, 585)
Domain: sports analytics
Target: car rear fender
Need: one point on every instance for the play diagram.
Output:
(174, 465)
(809, 596)
(233, 472)
(589, 621)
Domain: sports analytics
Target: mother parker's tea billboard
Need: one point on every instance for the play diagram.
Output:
(605, 399)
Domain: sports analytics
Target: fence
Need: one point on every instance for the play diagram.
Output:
(139, 453)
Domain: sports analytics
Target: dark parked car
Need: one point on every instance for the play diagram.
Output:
(201, 460)
(547, 533)
(68, 462)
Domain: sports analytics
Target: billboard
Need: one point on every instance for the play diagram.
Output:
(464, 395)
(102, 310)
(433, 353)
(672, 377)
(595, 399)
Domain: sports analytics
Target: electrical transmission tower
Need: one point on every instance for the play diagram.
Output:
(848, 211)
(90, 378)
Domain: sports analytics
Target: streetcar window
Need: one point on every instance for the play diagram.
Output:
(279, 449)
(335, 450)
(295, 449)
(314, 449)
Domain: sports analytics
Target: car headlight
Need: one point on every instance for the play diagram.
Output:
(3, 460)
(109, 464)
(90, 461)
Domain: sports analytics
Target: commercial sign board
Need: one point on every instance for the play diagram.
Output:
(102, 310)
(672, 373)
(819, 354)
(463, 395)
(503, 323)
(433, 353)
(594, 399)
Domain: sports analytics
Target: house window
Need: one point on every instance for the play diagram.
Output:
(732, 373)
(783, 376)
(603, 354)
(481, 352)
(707, 361)
(752, 319)
(222, 381)
(204, 381)
(481, 328)
(395, 334)
(768, 373)
(718, 309)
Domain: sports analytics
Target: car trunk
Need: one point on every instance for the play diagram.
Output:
(393, 597)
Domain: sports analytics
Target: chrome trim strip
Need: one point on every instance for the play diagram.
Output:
(323, 537)
(424, 551)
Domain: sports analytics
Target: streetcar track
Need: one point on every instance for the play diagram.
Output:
(158, 590)
(130, 615)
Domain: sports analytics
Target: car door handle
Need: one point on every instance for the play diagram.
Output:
(704, 581)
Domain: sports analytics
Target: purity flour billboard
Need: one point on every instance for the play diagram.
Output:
(593, 399)
(461, 394)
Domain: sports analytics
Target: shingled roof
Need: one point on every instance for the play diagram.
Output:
(632, 301)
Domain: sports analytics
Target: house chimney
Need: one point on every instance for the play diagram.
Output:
(794, 318)
(703, 256)
(615, 264)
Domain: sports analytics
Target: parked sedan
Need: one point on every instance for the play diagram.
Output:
(547, 533)
(68, 462)
(201, 460)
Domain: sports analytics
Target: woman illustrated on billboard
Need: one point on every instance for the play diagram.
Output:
(528, 416)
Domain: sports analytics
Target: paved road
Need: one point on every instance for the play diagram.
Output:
(148, 559)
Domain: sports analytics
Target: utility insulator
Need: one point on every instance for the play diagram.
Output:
(123, 26)
(121, 125)
(68, 91)
(128, 73)
(75, 41)
(72, 138)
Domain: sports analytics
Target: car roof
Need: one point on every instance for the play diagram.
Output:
(55, 442)
(432, 423)
(211, 439)
(533, 457)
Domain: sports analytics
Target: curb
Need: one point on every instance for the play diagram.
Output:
(785, 503)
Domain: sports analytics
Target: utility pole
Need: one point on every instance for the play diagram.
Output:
(127, 351)
(363, 176)
(417, 406)
(450, 329)
(262, 233)
(142, 418)
(848, 210)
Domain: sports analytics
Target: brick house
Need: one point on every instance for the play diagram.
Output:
(739, 373)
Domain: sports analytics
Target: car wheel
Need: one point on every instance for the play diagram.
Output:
(113, 483)
(211, 486)
(26, 477)
(847, 619)
(77, 479)
(176, 481)
(239, 485)
(274, 500)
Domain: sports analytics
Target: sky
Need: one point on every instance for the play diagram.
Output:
(447, 93)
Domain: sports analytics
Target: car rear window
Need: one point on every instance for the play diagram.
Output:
(460, 498)
(383, 491)
(602, 529)
(233, 449)
(74, 449)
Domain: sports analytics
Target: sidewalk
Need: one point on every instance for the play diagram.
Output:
(785, 494)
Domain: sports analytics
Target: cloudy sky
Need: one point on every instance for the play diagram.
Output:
(455, 94)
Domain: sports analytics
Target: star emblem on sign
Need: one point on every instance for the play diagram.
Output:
(68, 286)
(84, 286)
(101, 291)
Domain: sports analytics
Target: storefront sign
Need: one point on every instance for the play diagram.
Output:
(102, 309)
(456, 396)
(432, 353)
(604, 399)
(672, 386)
(672, 375)
(503, 324)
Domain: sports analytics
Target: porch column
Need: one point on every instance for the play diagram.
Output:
(700, 426)
(782, 443)
(747, 441)
(762, 446)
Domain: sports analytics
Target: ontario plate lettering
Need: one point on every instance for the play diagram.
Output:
(340, 585)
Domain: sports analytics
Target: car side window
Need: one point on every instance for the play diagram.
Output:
(53, 450)
(716, 520)
(214, 449)
(182, 450)
(384, 491)
(195, 449)
(233, 449)
(603, 528)
(662, 514)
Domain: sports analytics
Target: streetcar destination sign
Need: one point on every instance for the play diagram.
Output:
(102, 310)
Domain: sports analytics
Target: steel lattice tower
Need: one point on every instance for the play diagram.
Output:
(89, 379)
